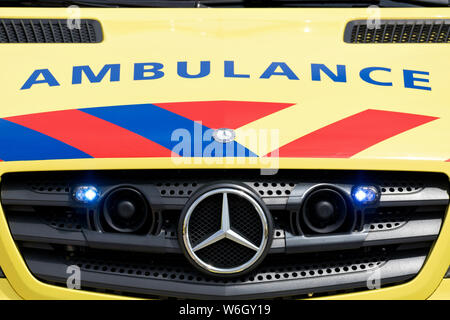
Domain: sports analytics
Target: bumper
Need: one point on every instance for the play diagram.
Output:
(442, 292)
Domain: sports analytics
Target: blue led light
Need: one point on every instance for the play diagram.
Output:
(365, 194)
(86, 194)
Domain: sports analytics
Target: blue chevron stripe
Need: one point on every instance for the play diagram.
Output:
(181, 135)
(19, 143)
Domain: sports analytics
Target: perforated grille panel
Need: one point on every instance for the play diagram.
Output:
(225, 254)
(244, 219)
(206, 219)
(389, 218)
(65, 219)
(49, 187)
(49, 31)
(178, 270)
(398, 31)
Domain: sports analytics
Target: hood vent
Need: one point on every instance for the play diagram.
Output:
(398, 31)
(49, 31)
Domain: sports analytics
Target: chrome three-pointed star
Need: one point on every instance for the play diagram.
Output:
(225, 231)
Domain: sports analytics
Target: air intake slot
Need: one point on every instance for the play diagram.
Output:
(398, 31)
(49, 31)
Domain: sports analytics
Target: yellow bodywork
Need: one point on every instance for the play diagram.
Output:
(253, 38)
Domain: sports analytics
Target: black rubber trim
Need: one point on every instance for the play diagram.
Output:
(52, 268)
(2, 275)
(49, 31)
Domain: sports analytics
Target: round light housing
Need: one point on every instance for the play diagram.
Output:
(324, 210)
(126, 210)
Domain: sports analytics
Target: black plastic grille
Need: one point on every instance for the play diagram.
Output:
(398, 31)
(205, 220)
(389, 218)
(65, 219)
(49, 187)
(49, 31)
(245, 219)
(266, 189)
(176, 189)
(225, 254)
(174, 268)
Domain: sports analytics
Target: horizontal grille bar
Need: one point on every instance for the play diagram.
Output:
(278, 281)
(423, 227)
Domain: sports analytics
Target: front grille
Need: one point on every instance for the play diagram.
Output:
(245, 219)
(389, 240)
(203, 219)
(49, 31)
(226, 254)
(398, 31)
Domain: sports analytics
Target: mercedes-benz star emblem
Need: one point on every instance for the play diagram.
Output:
(225, 230)
(224, 135)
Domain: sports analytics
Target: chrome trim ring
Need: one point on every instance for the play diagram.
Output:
(226, 232)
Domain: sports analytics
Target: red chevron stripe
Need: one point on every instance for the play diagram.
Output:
(96, 137)
(224, 114)
(351, 135)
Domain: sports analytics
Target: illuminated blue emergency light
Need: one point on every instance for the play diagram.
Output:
(86, 194)
(365, 194)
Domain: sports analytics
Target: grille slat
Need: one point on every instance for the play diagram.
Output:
(52, 32)
(49, 31)
(18, 35)
(42, 31)
(5, 33)
(24, 31)
(33, 29)
(398, 31)
(447, 39)
(88, 32)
